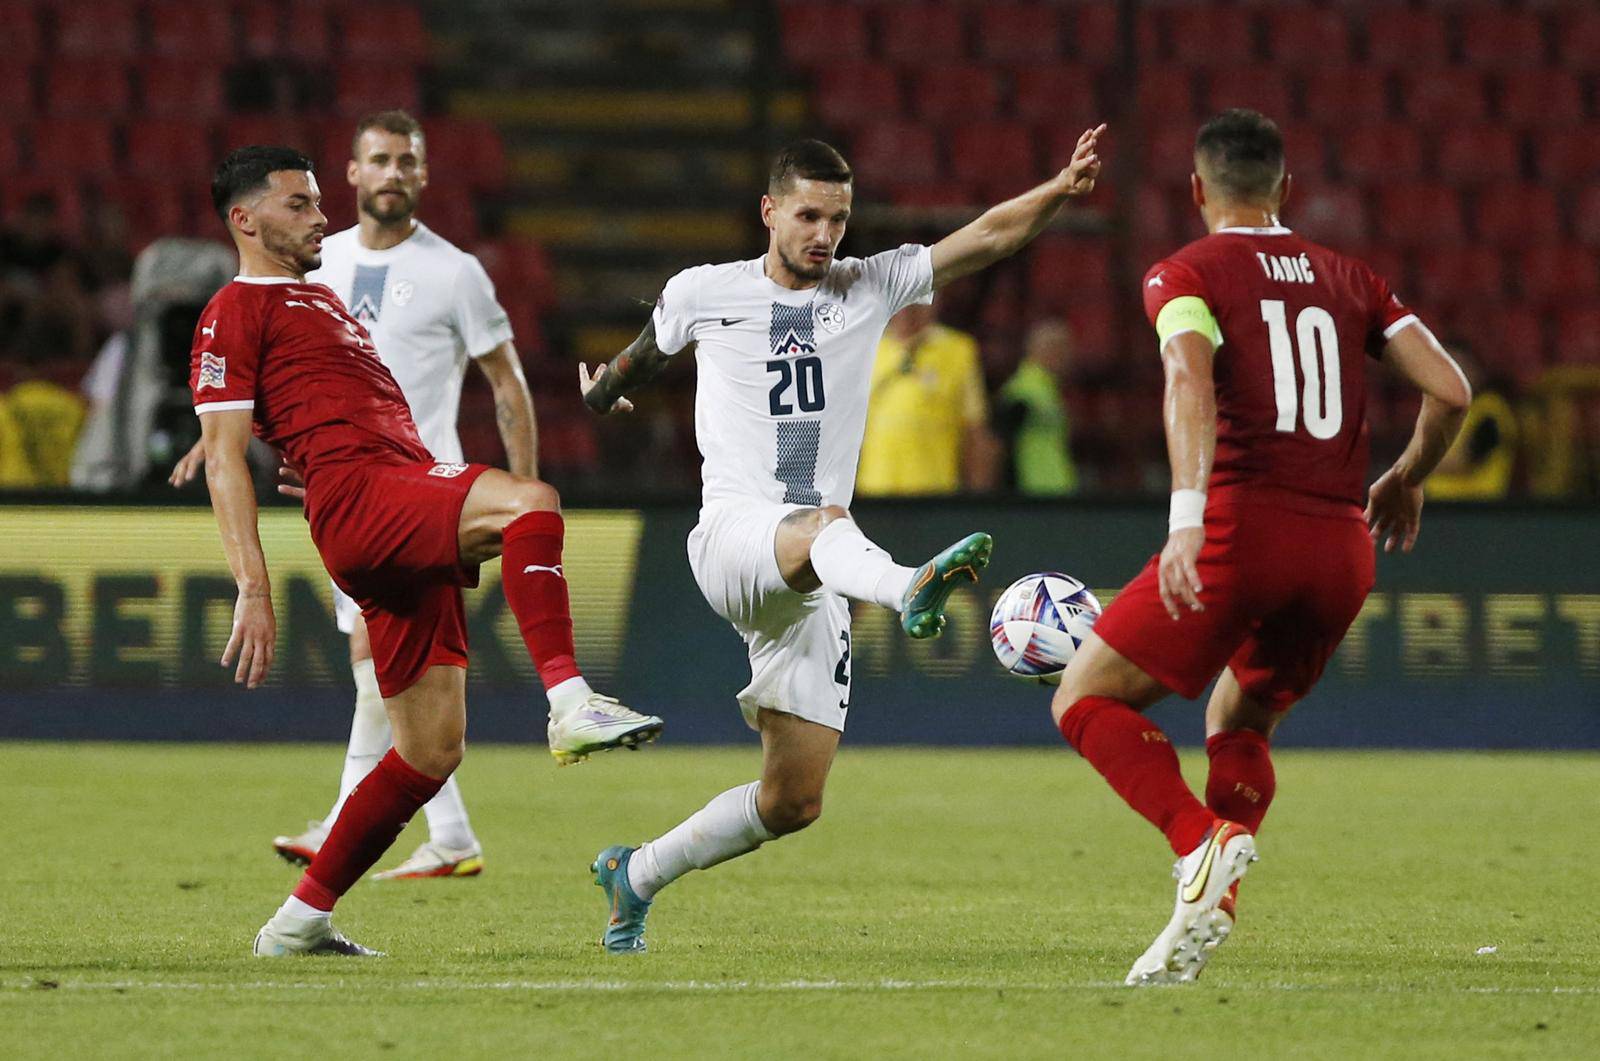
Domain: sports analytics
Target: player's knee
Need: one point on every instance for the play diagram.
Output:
(440, 761)
(532, 495)
(790, 814)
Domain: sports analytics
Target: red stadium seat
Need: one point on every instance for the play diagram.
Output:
(190, 32)
(995, 155)
(1472, 155)
(1513, 342)
(1512, 216)
(1306, 37)
(69, 204)
(1461, 275)
(1405, 39)
(469, 151)
(23, 37)
(1415, 215)
(1340, 97)
(153, 145)
(1305, 152)
(1265, 89)
(519, 266)
(241, 130)
(155, 209)
(104, 29)
(1165, 95)
(383, 32)
(1093, 35)
(887, 153)
(362, 90)
(1558, 274)
(1586, 217)
(1373, 153)
(10, 152)
(1579, 41)
(1568, 156)
(16, 89)
(1502, 40)
(1022, 34)
(819, 35)
(1208, 36)
(261, 23)
(1435, 97)
(915, 35)
(448, 209)
(74, 146)
(1063, 95)
(1154, 219)
(1541, 98)
(849, 94)
(939, 194)
(187, 90)
(87, 87)
(955, 93)
(1578, 336)
(1336, 216)
(307, 35)
(1065, 271)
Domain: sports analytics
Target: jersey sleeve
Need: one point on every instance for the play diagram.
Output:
(1389, 314)
(1175, 302)
(676, 309)
(226, 356)
(903, 275)
(480, 320)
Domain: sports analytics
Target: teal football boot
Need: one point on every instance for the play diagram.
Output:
(625, 930)
(922, 608)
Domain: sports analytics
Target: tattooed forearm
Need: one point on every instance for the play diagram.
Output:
(513, 415)
(640, 363)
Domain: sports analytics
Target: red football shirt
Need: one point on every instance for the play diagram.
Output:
(1297, 323)
(292, 353)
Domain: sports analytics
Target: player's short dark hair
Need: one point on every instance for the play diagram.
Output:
(810, 160)
(1242, 151)
(396, 121)
(245, 171)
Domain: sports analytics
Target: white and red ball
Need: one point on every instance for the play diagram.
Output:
(1039, 622)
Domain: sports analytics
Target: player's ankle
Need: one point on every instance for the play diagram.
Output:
(568, 696)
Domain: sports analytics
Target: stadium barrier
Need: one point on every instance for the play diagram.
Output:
(112, 620)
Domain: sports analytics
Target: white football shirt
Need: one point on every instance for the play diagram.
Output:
(781, 402)
(429, 306)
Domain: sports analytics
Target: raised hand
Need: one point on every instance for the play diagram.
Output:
(1084, 168)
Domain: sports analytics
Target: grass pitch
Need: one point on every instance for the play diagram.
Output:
(949, 903)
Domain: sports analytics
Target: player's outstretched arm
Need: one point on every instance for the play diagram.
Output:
(226, 437)
(1003, 230)
(1394, 504)
(1189, 413)
(640, 363)
(513, 409)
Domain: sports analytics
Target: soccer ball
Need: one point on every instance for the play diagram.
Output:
(1039, 622)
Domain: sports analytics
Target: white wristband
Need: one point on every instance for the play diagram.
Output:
(1188, 510)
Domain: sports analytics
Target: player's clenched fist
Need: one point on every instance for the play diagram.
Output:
(255, 634)
(1179, 576)
(1084, 168)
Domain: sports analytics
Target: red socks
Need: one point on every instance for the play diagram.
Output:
(1137, 759)
(536, 589)
(1242, 782)
(367, 826)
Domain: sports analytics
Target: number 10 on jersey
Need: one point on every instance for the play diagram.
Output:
(803, 375)
(1318, 343)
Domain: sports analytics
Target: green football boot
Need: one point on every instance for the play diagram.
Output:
(922, 608)
(625, 930)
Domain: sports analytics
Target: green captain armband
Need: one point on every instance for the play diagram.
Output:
(1187, 313)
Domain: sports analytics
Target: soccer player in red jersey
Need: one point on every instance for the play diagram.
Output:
(399, 532)
(1269, 555)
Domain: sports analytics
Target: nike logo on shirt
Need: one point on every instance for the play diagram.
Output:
(728, 322)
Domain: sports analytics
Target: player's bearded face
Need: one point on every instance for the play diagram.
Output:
(389, 173)
(290, 219)
(807, 224)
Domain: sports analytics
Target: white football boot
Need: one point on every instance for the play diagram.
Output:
(284, 936)
(436, 860)
(599, 725)
(300, 850)
(1198, 926)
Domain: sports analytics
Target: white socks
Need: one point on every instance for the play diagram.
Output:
(851, 565)
(370, 741)
(725, 828)
(299, 910)
(566, 697)
(369, 736)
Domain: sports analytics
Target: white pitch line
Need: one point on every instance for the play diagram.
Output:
(735, 986)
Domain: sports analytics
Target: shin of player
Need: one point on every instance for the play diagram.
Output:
(775, 551)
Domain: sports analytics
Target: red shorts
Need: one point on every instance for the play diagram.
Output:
(1281, 589)
(389, 536)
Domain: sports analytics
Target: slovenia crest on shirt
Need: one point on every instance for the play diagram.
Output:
(830, 315)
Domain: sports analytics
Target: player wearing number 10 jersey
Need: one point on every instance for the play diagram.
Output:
(1264, 337)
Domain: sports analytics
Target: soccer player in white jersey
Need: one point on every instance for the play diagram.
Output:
(784, 347)
(430, 309)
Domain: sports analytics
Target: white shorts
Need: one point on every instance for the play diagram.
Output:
(345, 611)
(799, 643)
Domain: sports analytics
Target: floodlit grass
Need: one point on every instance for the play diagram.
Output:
(950, 903)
